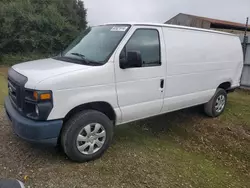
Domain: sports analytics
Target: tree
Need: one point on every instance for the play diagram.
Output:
(39, 26)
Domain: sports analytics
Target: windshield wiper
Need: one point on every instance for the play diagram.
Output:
(85, 59)
(79, 55)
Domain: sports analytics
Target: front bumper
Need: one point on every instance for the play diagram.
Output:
(45, 132)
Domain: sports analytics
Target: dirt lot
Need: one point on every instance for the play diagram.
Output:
(180, 149)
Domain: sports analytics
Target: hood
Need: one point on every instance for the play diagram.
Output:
(39, 70)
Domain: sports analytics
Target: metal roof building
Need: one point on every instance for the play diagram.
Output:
(203, 22)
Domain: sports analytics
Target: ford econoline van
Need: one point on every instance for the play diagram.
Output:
(118, 73)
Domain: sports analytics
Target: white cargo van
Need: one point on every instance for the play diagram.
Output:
(117, 73)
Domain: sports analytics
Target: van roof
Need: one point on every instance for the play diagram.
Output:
(170, 26)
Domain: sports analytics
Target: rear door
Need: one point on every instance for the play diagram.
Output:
(140, 90)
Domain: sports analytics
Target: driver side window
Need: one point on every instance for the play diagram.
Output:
(147, 43)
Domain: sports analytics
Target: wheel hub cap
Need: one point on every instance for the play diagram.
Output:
(91, 138)
(220, 103)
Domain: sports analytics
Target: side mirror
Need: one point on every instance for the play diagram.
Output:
(133, 59)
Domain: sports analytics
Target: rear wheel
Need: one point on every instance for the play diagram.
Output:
(217, 104)
(87, 135)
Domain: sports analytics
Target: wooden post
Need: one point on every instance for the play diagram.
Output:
(245, 40)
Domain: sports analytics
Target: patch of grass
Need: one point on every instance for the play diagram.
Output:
(142, 157)
(3, 88)
(4, 71)
(11, 59)
(225, 139)
(238, 110)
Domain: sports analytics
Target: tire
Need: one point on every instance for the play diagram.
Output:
(79, 124)
(211, 109)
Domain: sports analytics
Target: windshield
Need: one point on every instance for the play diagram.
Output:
(96, 44)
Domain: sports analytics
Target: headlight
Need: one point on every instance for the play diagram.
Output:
(38, 104)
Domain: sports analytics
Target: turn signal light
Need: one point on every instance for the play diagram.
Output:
(45, 96)
(42, 96)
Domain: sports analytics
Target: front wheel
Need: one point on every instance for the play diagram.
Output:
(217, 104)
(87, 135)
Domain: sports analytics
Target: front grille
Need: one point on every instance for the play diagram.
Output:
(16, 89)
(14, 93)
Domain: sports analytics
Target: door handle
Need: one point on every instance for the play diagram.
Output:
(162, 83)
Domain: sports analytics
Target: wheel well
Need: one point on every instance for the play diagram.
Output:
(225, 85)
(103, 107)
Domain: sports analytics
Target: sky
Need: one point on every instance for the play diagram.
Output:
(159, 11)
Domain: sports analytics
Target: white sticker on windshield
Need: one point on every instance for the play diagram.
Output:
(119, 28)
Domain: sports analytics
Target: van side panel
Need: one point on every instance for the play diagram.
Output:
(197, 63)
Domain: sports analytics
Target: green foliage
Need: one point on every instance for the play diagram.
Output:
(11, 59)
(39, 26)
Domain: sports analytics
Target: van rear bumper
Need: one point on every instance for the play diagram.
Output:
(42, 132)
